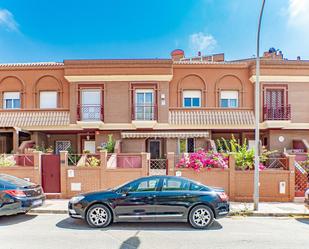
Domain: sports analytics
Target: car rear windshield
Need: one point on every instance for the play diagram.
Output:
(196, 186)
(14, 180)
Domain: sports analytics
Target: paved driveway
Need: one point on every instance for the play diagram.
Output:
(60, 232)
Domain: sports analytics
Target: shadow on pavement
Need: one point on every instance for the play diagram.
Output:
(131, 242)
(76, 224)
(15, 219)
(303, 220)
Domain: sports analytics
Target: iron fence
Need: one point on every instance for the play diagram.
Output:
(84, 160)
(158, 167)
(22, 160)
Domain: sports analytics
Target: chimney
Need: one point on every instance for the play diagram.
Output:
(298, 58)
(273, 54)
(177, 54)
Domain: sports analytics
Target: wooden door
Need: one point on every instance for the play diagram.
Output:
(51, 173)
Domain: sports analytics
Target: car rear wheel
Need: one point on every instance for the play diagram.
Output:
(98, 216)
(201, 217)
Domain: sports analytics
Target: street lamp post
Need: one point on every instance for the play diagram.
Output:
(257, 116)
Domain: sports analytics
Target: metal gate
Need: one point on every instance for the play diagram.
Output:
(51, 173)
(301, 180)
(158, 167)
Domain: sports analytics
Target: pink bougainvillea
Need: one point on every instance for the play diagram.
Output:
(202, 159)
(261, 167)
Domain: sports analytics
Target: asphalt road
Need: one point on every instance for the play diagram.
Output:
(60, 232)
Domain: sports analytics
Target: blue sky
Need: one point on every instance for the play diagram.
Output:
(54, 30)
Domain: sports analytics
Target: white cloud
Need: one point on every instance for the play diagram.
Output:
(298, 14)
(202, 42)
(7, 20)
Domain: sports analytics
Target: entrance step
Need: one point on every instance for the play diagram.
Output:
(299, 199)
(53, 195)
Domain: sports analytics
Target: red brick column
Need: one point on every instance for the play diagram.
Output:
(170, 163)
(103, 159)
(231, 177)
(145, 163)
(37, 165)
(63, 173)
(291, 190)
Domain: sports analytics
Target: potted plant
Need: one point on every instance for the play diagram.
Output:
(50, 150)
(110, 145)
(7, 161)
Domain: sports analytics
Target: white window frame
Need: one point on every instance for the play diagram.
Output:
(194, 143)
(191, 94)
(91, 111)
(12, 96)
(48, 105)
(229, 95)
(151, 107)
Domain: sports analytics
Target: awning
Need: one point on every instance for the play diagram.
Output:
(166, 134)
(35, 118)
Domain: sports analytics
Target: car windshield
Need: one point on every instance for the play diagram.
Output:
(120, 186)
(15, 181)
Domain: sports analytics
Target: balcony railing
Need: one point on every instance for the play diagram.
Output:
(90, 112)
(277, 113)
(144, 112)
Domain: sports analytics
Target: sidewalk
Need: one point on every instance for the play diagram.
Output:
(282, 209)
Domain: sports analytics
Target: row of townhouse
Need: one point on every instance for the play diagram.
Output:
(152, 105)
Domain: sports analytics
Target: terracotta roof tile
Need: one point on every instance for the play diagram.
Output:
(220, 117)
(34, 118)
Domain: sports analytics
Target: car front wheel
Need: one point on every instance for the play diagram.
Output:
(201, 217)
(98, 216)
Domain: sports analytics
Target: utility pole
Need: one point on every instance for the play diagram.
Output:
(257, 116)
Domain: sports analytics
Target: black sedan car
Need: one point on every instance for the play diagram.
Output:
(154, 198)
(18, 195)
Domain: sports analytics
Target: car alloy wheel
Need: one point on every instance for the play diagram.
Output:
(98, 216)
(201, 217)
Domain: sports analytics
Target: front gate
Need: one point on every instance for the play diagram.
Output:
(158, 167)
(51, 173)
(301, 180)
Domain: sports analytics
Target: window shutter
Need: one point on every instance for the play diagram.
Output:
(229, 94)
(48, 99)
(192, 94)
(11, 95)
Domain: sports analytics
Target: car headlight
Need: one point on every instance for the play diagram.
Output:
(76, 199)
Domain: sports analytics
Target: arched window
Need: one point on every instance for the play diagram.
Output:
(48, 92)
(191, 91)
(229, 92)
(11, 93)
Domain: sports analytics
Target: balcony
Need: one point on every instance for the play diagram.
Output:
(277, 113)
(90, 113)
(210, 118)
(25, 118)
(144, 112)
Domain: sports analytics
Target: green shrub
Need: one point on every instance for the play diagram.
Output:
(244, 157)
(6, 161)
(110, 145)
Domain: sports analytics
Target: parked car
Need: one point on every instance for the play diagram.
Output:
(154, 198)
(18, 195)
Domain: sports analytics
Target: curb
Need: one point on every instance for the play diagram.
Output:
(41, 211)
(252, 214)
(232, 214)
